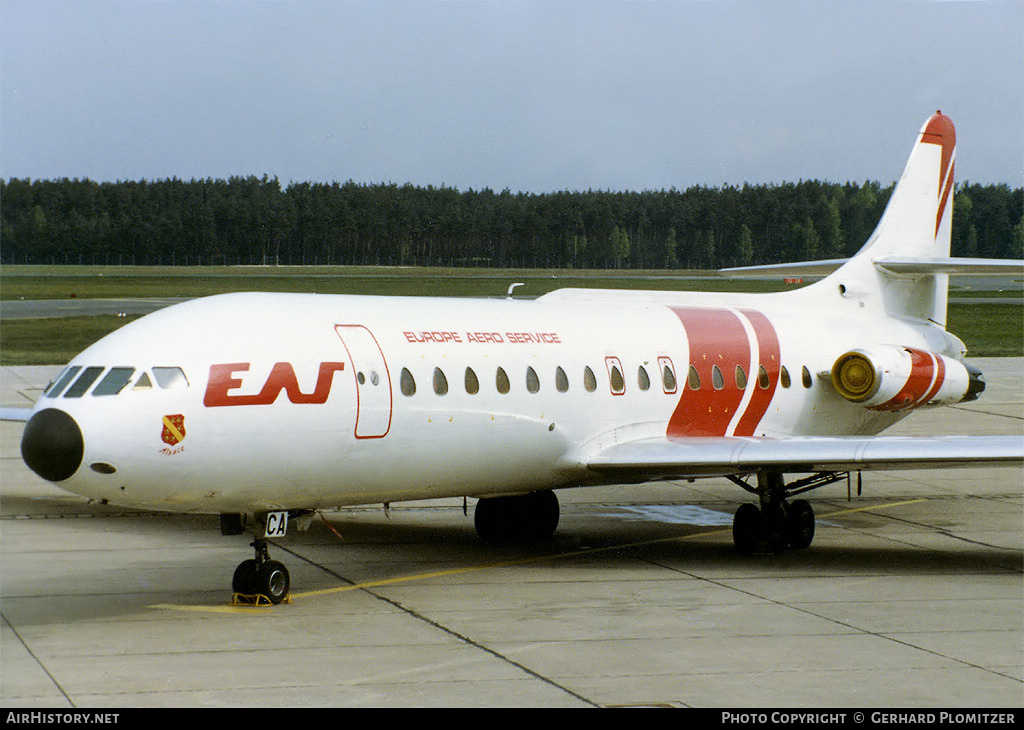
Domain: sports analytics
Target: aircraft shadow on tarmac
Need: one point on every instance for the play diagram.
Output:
(352, 547)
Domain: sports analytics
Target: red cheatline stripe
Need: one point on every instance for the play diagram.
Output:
(925, 379)
(939, 130)
(942, 202)
(940, 376)
(719, 337)
(769, 357)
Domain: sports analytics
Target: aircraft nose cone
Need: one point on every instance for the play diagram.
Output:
(52, 445)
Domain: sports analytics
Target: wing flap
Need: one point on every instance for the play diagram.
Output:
(665, 458)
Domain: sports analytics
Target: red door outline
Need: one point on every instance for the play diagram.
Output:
(372, 379)
(666, 362)
(613, 362)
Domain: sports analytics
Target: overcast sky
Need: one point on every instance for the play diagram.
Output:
(530, 96)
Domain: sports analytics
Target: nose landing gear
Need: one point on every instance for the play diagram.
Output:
(260, 580)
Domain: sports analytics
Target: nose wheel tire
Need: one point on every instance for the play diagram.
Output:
(273, 581)
(244, 579)
(261, 577)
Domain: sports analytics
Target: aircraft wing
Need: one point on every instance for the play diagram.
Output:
(13, 413)
(668, 458)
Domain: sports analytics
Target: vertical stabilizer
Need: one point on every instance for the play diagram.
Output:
(918, 219)
(916, 225)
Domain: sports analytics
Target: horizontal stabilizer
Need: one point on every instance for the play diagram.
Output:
(668, 458)
(901, 265)
(920, 266)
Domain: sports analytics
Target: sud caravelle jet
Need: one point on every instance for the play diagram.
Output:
(265, 408)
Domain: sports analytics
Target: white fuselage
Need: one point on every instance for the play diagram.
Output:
(306, 401)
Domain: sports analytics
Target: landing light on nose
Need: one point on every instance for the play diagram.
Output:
(52, 445)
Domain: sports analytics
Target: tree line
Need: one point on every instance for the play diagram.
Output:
(250, 220)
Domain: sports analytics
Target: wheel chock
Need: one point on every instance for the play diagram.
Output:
(255, 599)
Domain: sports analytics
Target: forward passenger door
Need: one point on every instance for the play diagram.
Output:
(372, 381)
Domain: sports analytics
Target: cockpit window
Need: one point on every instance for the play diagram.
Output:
(86, 379)
(114, 381)
(168, 377)
(62, 382)
(143, 383)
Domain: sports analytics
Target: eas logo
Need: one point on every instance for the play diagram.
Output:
(282, 377)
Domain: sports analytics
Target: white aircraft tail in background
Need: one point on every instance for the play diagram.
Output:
(268, 407)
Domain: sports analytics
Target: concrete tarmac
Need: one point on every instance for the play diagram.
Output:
(910, 596)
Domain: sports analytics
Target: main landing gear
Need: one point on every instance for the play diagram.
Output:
(529, 517)
(778, 524)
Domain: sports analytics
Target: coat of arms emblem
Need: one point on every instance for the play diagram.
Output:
(174, 429)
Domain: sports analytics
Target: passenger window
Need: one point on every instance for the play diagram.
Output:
(58, 387)
(763, 380)
(784, 377)
(561, 380)
(589, 379)
(741, 378)
(114, 381)
(87, 378)
(805, 376)
(170, 377)
(472, 384)
(642, 379)
(440, 382)
(532, 381)
(501, 381)
(615, 379)
(716, 378)
(692, 379)
(407, 383)
(668, 375)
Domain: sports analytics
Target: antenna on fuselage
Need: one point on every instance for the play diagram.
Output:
(512, 287)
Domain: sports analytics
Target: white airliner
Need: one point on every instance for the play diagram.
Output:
(262, 407)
